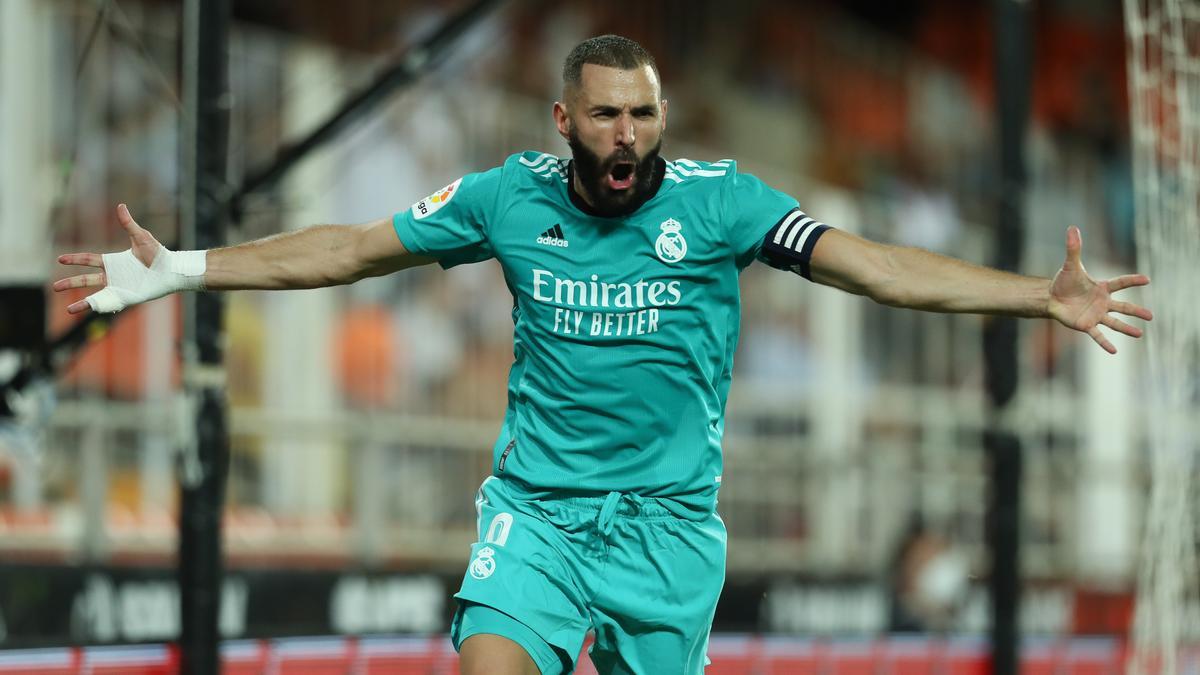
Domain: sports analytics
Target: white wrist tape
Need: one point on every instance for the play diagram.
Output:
(131, 283)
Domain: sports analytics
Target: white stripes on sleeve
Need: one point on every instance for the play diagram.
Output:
(789, 244)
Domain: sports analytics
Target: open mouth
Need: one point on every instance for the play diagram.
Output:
(621, 176)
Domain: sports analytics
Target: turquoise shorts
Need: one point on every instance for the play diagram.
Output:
(545, 571)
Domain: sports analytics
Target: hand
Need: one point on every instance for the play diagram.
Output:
(1082, 303)
(146, 270)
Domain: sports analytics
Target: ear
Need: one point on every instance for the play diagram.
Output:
(561, 120)
(664, 114)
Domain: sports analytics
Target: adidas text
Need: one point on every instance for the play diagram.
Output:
(554, 237)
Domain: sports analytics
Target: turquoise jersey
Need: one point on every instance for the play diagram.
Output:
(625, 327)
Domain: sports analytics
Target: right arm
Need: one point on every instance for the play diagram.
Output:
(315, 257)
(324, 255)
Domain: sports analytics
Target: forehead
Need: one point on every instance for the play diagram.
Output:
(615, 86)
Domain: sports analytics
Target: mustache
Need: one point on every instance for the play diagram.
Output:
(622, 156)
(602, 165)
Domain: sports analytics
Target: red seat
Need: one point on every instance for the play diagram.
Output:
(1040, 658)
(851, 658)
(733, 655)
(406, 656)
(62, 661)
(243, 657)
(317, 656)
(908, 656)
(966, 657)
(135, 660)
(788, 656)
(1093, 657)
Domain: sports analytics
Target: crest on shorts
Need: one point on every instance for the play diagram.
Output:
(484, 564)
(670, 246)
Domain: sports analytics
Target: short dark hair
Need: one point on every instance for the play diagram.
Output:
(611, 51)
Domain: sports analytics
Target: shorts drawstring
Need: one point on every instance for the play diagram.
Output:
(604, 521)
(608, 512)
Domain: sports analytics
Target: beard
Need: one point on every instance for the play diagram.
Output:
(593, 172)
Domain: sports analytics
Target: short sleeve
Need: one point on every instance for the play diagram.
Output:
(769, 226)
(753, 208)
(450, 225)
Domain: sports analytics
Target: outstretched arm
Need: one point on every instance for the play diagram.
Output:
(324, 255)
(917, 279)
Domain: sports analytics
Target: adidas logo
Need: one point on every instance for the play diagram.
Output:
(553, 237)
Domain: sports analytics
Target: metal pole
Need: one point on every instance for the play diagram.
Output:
(404, 71)
(205, 456)
(419, 60)
(1013, 72)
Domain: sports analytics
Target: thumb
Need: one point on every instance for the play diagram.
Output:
(127, 222)
(144, 245)
(1074, 246)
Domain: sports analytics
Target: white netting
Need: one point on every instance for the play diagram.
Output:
(1164, 85)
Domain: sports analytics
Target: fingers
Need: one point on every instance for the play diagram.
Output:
(86, 259)
(1074, 246)
(81, 281)
(1121, 327)
(1127, 281)
(1130, 309)
(1096, 335)
(79, 307)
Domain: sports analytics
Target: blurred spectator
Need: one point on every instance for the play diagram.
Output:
(928, 581)
(925, 214)
(366, 356)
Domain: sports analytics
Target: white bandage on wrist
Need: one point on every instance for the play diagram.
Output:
(131, 283)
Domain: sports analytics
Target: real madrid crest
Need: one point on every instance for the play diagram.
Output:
(484, 563)
(671, 246)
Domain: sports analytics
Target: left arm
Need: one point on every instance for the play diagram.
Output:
(909, 277)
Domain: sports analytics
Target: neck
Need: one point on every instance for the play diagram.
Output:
(580, 190)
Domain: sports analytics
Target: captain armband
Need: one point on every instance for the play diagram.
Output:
(789, 244)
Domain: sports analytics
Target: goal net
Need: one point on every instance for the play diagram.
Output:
(1164, 85)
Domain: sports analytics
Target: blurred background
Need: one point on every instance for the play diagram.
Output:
(362, 417)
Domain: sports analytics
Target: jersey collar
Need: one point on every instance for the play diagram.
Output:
(656, 179)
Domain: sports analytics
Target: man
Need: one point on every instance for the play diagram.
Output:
(600, 511)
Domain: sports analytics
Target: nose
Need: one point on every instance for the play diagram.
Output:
(624, 129)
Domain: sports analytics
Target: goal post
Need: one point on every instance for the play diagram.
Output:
(1164, 85)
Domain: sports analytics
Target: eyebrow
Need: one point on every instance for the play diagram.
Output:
(612, 109)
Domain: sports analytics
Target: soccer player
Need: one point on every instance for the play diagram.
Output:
(600, 513)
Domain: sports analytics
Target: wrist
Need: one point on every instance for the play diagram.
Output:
(1046, 302)
(186, 267)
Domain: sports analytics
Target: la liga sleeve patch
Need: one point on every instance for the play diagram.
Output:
(430, 205)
